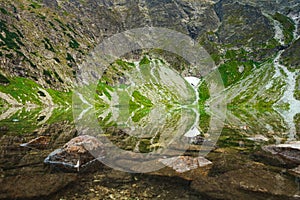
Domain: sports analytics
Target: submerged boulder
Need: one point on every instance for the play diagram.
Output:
(185, 163)
(288, 153)
(76, 154)
(248, 182)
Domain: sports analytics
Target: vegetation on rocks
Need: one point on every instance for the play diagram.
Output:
(288, 26)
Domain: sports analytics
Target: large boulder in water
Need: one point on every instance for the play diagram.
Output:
(76, 155)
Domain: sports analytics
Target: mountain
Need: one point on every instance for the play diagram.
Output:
(43, 42)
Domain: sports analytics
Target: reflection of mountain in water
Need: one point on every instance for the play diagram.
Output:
(150, 103)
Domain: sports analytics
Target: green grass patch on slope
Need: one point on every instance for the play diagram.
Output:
(230, 71)
(23, 90)
(27, 91)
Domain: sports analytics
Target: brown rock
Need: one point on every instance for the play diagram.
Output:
(247, 183)
(78, 153)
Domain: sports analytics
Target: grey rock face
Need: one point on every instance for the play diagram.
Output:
(240, 27)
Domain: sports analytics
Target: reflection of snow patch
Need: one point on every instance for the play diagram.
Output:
(193, 132)
(288, 97)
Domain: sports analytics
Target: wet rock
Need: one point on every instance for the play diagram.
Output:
(288, 153)
(40, 142)
(253, 182)
(33, 186)
(76, 155)
(185, 163)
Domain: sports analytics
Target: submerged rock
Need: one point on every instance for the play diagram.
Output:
(34, 186)
(290, 152)
(185, 163)
(76, 154)
(249, 182)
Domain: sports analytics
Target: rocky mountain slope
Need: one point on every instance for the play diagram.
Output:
(44, 41)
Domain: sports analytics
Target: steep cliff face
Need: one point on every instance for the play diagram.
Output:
(46, 40)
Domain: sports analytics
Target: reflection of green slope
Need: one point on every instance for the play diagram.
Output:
(204, 119)
(28, 120)
(142, 100)
(139, 114)
(104, 89)
(135, 88)
(148, 135)
(106, 121)
(153, 79)
(257, 90)
(203, 91)
(144, 103)
(266, 122)
(124, 109)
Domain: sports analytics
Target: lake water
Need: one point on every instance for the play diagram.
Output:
(239, 170)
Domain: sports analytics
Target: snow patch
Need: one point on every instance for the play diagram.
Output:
(193, 81)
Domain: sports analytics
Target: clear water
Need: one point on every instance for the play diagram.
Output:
(238, 170)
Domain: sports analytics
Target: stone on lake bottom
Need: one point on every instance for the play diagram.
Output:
(76, 154)
(185, 163)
